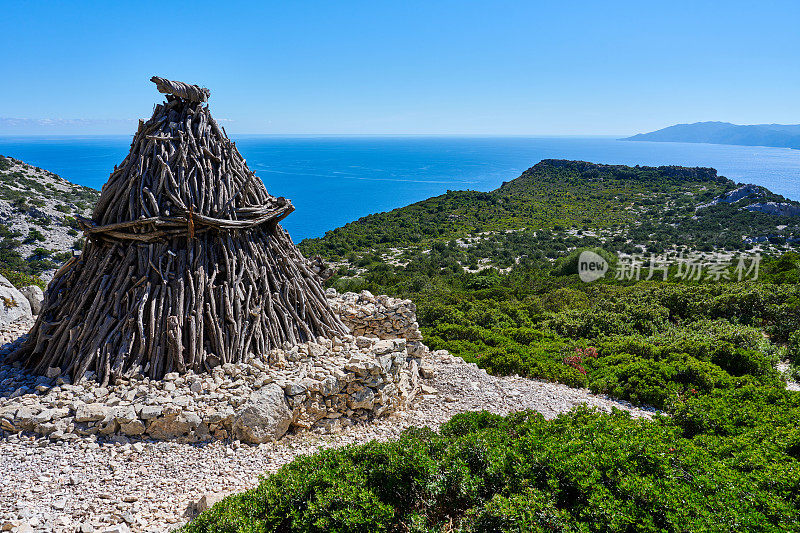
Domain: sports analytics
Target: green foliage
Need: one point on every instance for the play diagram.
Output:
(727, 461)
(71, 222)
(557, 205)
(62, 256)
(34, 235)
(19, 280)
(569, 264)
(41, 253)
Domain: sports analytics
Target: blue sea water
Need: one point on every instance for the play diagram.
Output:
(334, 180)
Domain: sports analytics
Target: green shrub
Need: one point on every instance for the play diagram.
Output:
(727, 461)
(19, 279)
(34, 235)
(569, 265)
(658, 383)
(793, 347)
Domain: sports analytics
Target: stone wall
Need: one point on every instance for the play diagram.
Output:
(381, 317)
(320, 386)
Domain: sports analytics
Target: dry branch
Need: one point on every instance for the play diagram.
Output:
(185, 265)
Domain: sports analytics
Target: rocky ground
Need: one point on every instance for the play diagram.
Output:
(86, 485)
(39, 209)
(784, 368)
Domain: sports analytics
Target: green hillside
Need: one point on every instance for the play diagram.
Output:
(657, 207)
(511, 302)
(494, 279)
(38, 226)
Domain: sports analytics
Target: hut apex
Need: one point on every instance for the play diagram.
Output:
(185, 264)
(192, 93)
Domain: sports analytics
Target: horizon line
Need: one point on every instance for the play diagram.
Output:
(250, 134)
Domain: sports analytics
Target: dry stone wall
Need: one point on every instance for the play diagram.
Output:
(319, 386)
(381, 317)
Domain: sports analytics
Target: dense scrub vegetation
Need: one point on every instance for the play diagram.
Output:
(651, 342)
(725, 461)
(726, 458)
(657, 207)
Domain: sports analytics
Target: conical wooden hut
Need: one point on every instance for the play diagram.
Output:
(185, 265)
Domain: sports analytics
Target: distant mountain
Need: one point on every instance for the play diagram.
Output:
(777, 135)
(559, 203)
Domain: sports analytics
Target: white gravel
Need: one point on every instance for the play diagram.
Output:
(784, 369)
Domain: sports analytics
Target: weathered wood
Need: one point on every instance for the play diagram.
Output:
(185, 265)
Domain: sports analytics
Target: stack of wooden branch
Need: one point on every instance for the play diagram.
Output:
(185, 265)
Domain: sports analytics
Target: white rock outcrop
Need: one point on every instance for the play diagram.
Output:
(35, 296)
(13, 304)
(265, 417)
(784, 209)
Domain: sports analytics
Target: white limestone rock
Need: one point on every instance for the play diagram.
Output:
(35, 297)
(264, 417)
(13, 304)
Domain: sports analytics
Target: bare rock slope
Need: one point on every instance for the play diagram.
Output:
(37, 216)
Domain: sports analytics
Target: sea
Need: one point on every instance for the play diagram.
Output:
(333, 180)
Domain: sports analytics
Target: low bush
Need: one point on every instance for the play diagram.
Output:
(19, 280)
(727, 461)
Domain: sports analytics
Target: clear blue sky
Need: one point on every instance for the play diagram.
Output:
(429, 67)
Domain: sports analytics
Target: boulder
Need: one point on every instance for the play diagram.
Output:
(13, 304)
(35, 297)
(123, 415)
(427, 371)
(133, 428)
(362, 399)
(264, 417)
(207, 501)
(151, 411)
(119, 528)
(386, 346)
(90, 412)
(172, 426)
(24, 417)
